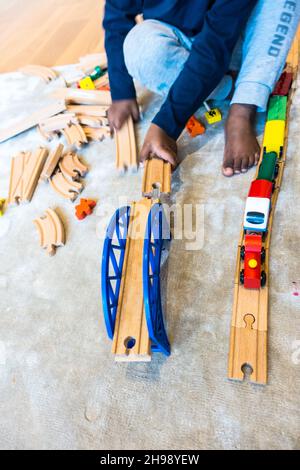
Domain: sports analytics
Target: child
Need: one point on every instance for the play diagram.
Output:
(183, 50)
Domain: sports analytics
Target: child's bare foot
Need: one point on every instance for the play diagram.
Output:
(241, 147)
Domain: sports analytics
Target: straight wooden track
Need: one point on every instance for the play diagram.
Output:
(249, 324)
(126, 153)
(131, 339)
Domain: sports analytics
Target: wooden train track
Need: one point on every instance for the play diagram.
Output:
(126, 152)
(249, 324)
(131, 339)
(24, 175)
(45, 73)
(51, 231)
(157, 176)
(64, 187)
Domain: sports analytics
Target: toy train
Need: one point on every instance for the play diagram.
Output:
(258, 204)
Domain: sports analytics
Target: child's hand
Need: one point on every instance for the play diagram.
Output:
(120, 110)
(158, 143)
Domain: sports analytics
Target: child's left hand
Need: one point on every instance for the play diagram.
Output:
(158, 143)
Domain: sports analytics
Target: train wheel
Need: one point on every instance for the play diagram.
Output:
(263, 255)
(242, 276)
(263, 279)
(243, 252)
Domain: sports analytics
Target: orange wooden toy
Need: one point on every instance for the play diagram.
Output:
(85, 208)
(195, 127)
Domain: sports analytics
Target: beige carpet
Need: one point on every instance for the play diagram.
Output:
(59, 385)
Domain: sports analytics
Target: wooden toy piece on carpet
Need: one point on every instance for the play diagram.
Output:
(126, 152)
(212, 115)
(71, 166)
(85, 208)
(75, 135)
(52, 162)
(86, 83)
(195, 127)
(96, 134)
(25, 172)
(51, 231)
(45, 73)
(65, 187)
(157, 176)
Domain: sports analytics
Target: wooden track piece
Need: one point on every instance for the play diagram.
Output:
(58, 122)
(87, 110)
(92, 121)
(52, 162)
(96, 134)
(85, 97)
(51, 231)
(126, 146)
(157, 175)
(75, 135)
(45, 73)
(33, 120)
(71, 166)
(64, 187)
(131, 327)
(249, 325)
(25, 172)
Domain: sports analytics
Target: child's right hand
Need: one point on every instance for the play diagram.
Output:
(120, 110)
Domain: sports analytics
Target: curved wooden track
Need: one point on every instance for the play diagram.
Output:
(71, 166)
(51, 231)
(64, 187)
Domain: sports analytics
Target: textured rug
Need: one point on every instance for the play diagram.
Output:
(59, 385)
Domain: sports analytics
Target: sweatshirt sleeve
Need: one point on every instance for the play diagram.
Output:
(119, 19)
(208, 62)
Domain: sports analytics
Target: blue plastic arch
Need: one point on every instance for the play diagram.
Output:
(112, 265)
(157, 232)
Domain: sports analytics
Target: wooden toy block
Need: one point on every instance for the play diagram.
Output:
(2, 205)
(213, 116)
(126, 153)
(195, 127)
(97, 73)
(72, 167)
(33, 120)
(85, 208)
(86, 84)
(131, 338)
(64, 187)
(25, 172)
(274, 136)
(52, 162)
(44, 73)
(157, 176)
(51, 231)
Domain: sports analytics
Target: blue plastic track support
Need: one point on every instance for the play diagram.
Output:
(157, 232)
(112, 265)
